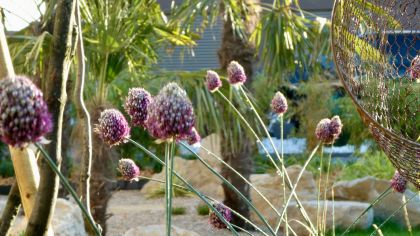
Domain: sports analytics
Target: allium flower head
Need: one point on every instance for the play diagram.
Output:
(279, 103)
(213, 81)
(214, 219)
(113, 127)
(414, 70)
(24, 116)
(136, 105)
(171, 114)
(128, 169)
(236, 73)
(328, 130)
(399, 182)
(193, 137)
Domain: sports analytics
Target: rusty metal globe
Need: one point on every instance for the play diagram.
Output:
(375, 45)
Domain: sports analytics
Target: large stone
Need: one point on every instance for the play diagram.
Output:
(67, 220)
(195, 172)
(367, 189)
(158, 230)
(270, 185)
(345, 212)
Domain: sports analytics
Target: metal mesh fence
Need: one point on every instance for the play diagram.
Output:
(377, 55)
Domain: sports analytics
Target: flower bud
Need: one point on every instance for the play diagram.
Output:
(24, 116)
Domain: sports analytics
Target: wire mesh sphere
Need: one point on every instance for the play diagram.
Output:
(376, 51)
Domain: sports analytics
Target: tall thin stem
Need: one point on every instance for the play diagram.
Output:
(394, 213)
(283, 182)
(231, 187)
(373, 203)
(169, 154)
(324, 215)
(68, 187)
(84, 117)
(318, 217)
(189, 186)
(283, 171)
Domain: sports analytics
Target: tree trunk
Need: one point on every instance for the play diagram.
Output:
(10, 210)
(236, 154)
(56, 97)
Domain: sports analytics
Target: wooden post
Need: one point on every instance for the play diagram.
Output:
(24, 161)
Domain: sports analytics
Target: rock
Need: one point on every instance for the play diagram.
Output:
(345, 212)
(271, 187)
(195, 172)
(367, 189)
(67, 220)
(158, 230)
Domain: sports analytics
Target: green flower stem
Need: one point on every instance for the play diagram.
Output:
(189, 186)
(318, 218)
(243, 178)
(296, 184)
(213, 200)
(324, 215)
(393, 214)
(284, 171)
(373, 203)
(283, 182)
(67, 185)
(169, 154)
(231, 187)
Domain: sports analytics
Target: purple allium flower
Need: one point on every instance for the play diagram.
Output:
(113, 127)
(213, 81)
(193, 137)
(328, 130)
(214, 219)
(236, 73)
(128, 169)
(279, 103)
(399, 182)
(414, 70)
(171, 114)
(24, 116)
(136, 104)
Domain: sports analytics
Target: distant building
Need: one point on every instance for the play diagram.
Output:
(204, 55)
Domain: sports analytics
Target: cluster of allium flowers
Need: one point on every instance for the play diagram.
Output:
(128, 169)
(214, 219)
(328, 130)
(399, 182)
(24, 116)
(171, 114)
(193, 137)
(213, 81)
(236, 73)
(113, 127)
(414, 70)
(279, 104)
(136, 105)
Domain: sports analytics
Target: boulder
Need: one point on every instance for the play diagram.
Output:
(270, 185)
(195, 172)
(345, 212)
(367, 189)
(67, 220)
(158, 230)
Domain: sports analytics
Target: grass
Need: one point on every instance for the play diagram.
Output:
(389, 229)
(203, 210)
(178, 210)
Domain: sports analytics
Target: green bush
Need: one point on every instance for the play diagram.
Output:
(373, 163)
(178, 210)
(203, 210)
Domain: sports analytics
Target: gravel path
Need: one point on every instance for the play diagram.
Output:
(128, 209)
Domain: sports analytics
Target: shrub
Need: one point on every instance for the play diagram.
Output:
(202, 210)
(178, 210)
